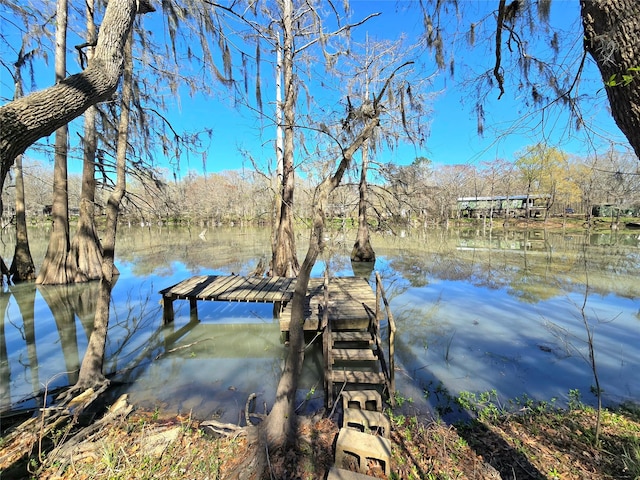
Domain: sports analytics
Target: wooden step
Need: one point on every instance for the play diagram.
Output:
(355, 354)
(339, 336)
(357, 376)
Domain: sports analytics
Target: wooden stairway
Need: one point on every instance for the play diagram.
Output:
(355, 362)
(352, 361)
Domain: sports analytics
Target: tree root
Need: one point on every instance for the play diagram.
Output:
(225, 429)
(53, 424)
(69, 451)
(232, 430)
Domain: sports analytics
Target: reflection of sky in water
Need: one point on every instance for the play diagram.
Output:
(478, 339)
(471, 337)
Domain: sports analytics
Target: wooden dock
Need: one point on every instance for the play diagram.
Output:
(346, 310)
(227, 288)
(352, 302)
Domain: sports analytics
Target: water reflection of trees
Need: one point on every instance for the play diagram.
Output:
(70, 306)
(532, 265)
(152, 250)
(26, 304)
(5, 368)
(58, 298)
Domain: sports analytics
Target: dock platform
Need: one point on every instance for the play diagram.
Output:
(354, 354)
(227, 288)
(352, 302)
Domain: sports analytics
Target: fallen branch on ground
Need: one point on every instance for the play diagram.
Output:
(19, 443)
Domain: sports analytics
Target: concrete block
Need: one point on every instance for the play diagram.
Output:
(362, 399)
(376, 423)
(362, 447)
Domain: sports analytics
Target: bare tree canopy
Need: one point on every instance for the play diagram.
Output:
(25, 120)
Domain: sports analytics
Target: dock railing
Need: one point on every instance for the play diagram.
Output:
(325, 328)
(391, 325)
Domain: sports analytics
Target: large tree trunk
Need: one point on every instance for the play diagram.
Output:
(85, 253)
(5, 370)
(611, 36)
(24, 121)
(91, 369)
(54, 266)
(284, 261)
(280, 426)
(362, 250)
(22, 267)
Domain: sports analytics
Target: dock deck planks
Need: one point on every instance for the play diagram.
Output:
(352, 303)
(351, 299)
(350, 348)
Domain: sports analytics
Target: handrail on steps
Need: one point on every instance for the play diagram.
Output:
(325, 327)
(380, 294)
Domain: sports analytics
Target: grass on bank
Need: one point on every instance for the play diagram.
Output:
(525, 440)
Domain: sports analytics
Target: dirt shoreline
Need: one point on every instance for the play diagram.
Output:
(537, 442)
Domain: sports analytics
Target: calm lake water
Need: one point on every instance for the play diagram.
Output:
(475, 311)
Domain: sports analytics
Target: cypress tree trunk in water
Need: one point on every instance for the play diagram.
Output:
(85, 253)
(22, 267)
(91, 369)
(362, 250)
(284, 261)
(54, 265)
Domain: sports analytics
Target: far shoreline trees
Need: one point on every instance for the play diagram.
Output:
(421, 190)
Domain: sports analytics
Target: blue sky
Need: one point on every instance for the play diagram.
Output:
(453, 135)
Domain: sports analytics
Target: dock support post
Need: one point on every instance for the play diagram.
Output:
(167, 310)
(193, 309)
(277, 309)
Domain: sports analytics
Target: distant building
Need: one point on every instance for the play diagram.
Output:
(608, 210)
(503, 206)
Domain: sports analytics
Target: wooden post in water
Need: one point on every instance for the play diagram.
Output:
(167, 309)
(193, 309)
